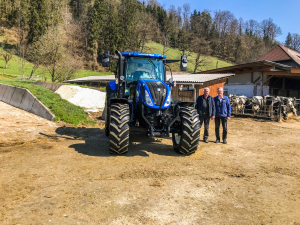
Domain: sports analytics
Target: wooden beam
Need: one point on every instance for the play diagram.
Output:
(295, 70)
(256, 79)
(268, 79)
(275, 73)
(255, 70)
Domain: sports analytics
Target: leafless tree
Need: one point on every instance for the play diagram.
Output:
(224, 21)
(270, 29)
(295, 43)
(7, 55)
(22, 49)
(67, 68)
(147, 28)
(186, 15)
(202, 49)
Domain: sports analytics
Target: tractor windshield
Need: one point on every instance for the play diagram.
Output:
(144, 68)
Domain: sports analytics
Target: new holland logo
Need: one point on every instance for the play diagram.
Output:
(158, 89)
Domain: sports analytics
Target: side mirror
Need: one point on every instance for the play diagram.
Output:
(105, 59)
(183, 64)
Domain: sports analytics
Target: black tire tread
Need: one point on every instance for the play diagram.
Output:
(119, 128)
(190, 131)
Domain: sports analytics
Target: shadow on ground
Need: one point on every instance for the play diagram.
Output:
(97, 144)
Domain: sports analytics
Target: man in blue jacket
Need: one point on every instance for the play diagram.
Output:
(206, 110)
(223, 113)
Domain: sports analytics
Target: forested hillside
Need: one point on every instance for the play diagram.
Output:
(63, 36)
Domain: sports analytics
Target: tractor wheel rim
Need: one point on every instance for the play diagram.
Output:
(177, 138)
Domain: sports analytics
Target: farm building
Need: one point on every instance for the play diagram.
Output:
(188, 86)
(276, 73)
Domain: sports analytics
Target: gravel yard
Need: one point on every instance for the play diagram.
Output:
(52, 174)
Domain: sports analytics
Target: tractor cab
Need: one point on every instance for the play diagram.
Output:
(142, 66)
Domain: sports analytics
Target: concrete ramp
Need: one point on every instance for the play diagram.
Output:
(23, 99)
(52, 86)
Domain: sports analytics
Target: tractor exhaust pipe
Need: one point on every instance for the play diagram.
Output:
(121, 87)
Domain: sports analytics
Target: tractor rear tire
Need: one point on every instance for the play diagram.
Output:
(119, 128)
(186, 142)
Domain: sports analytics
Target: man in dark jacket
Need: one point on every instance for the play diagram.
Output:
(206, 110)
(223, 113)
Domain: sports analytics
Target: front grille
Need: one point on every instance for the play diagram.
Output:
(157, 95)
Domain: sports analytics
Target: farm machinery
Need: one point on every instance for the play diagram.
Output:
(140, 100)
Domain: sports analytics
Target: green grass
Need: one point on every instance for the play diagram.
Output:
(62, 109)
(13, 69)
(172, 53)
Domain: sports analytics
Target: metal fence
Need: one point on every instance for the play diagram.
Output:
(26, 78)
(268, 109)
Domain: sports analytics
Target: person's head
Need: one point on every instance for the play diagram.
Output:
(206, 91)
(220, 92)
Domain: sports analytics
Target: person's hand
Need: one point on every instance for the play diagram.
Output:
(212, 118)
(228, 118)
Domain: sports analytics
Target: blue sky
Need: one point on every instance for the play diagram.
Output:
(285, 13)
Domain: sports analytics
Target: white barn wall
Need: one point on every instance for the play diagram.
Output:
(245, 78)
(247, 90)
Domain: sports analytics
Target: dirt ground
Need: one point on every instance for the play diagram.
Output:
(65, 175)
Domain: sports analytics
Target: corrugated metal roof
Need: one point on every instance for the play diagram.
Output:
(182, 78)
(198, 78)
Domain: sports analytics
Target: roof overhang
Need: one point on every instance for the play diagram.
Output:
(141, 54)
(259, 66)
(180, 79)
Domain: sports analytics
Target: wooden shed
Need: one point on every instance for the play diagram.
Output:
(190, 86)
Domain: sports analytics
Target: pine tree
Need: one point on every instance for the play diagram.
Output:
(37, 20)
(96, 22)
(113, 36)
(129, 22)
(288, 41)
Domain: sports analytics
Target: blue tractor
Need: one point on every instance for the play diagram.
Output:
(140, 100)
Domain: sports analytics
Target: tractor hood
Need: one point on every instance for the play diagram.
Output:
(153, 93)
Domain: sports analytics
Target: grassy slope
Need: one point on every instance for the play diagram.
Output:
(14, 69)
(62, 109)
(172, 53)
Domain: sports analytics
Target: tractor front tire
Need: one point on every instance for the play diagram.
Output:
(119, 128)
(186, 142)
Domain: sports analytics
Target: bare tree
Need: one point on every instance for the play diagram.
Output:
(7, 55)
(22, 48)
(67, 68)
(269, 29)
(186, 15)
(295, 42)
(202, 49)
(147, 28)
(50, 48)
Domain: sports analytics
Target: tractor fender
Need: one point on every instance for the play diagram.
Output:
(119, 100)
(186, 104)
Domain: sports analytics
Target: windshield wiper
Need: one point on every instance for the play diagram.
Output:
(153, 64)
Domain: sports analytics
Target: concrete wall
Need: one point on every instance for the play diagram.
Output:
(52, 86)
(23, 99)
(245, 78)
(247, 90)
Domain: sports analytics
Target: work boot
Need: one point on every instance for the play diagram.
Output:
(224, 141)
(217, 141)
(205, 140)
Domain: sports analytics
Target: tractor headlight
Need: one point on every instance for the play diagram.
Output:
(169, 99)
(148, 99)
